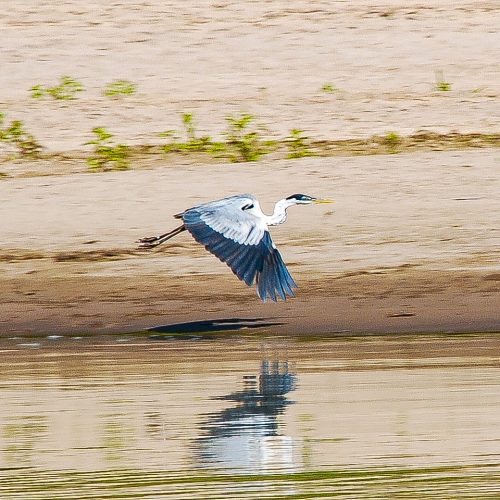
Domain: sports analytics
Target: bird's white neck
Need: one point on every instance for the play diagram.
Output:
(279, 214)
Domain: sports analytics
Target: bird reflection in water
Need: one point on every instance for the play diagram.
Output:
(248, 434)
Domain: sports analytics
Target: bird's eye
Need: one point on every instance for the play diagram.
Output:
(247, 207)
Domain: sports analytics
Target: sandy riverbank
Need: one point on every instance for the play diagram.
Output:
(412, 243)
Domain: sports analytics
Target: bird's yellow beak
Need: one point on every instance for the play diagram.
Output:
(323, 200)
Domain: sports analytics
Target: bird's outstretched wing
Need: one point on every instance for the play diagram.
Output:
(242, 241)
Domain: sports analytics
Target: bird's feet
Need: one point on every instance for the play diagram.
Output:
(148, 242)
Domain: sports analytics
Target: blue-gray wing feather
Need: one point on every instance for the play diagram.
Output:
(253, 261)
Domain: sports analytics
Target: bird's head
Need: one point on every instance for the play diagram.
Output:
(304, 199)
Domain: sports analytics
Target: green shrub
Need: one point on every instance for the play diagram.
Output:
(15, 134)
(243, 143)
(192, 142)
(297, 144)
(120, 87)
(106, 155)
(393, 141)
(66, 90)
(329, 88)
(441, 84)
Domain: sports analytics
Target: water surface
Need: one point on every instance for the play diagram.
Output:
(250, 416)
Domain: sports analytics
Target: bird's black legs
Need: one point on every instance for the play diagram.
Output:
(154, 241)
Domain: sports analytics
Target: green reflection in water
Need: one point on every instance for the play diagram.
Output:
(453, 481)
(117, 435)
(20, 435)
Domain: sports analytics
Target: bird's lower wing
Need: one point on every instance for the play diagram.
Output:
(258, 263)
(274, 279)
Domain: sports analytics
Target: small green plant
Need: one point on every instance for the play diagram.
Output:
(329, 88)
(392, 140)
(167, 148)
(297, 144)
(441, 84)
(106, 155)
(192, 142)
(66, 90)
(37, 91)
(244, 144)
(15, 134)
(187, 120)
(120, 87)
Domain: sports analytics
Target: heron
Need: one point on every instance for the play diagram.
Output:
(236, 231)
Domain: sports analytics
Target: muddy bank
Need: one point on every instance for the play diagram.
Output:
(402, 300)
(410, 245)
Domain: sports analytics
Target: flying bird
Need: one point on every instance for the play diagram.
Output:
(235, 230)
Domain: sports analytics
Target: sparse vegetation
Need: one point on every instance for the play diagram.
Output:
(192, 142)
(329, 88)
(244, 143)
(120, 87)
(66, 90)
(171, 146)
(188, 122)
(106, 154)
(297, 144)
(393, 141)
(243, 140)
(441, 84)
(16, 135)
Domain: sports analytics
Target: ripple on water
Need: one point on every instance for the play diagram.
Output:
(240, 416)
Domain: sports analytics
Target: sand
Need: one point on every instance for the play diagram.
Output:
(412, 243)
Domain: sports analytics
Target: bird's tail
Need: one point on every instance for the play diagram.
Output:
(154, 241)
